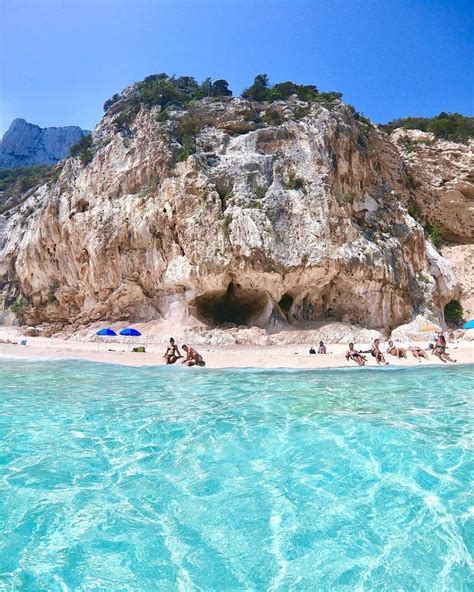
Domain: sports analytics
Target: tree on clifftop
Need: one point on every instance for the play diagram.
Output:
(220, 88)
(257, 91)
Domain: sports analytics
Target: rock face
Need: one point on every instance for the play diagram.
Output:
(441, 180)
(274, 221)
(25, 144)
(462, 259)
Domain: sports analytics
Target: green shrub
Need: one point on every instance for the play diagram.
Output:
(453, 312)
(220, 88)
(294, 182)
(414, 210)
(301, 112)
(434, 234)
(162, 116)
(187, 131)
(56, 173)
(261, 90)
(410, 182)
(164, 90)
(363, 141)
(226, 225)
(349, 197)
(363, 119)
(328, 99)
(184, 153)
(273, 117)
(109, 102)
(52, 294)
(254, 205)
(260, 191)
(258, 91)
(83, 149)
(15, 182)
(18, 308)
(448, 126)
(127, 115)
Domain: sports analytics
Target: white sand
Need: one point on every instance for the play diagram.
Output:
(242, 356)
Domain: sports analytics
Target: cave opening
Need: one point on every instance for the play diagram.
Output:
(285, 304)
(235, 305)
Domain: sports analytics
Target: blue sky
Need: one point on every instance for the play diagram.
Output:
(60, 59)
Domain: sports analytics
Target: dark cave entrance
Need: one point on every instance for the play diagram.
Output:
(235, 305)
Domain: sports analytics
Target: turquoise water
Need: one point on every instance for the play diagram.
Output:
(122, 479)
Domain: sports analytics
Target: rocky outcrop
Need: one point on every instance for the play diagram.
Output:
(461, 258)
(420, 329)
(440, 180)
(26, 144)
(285, 214)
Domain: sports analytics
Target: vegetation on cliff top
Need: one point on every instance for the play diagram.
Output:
(447, 126)
(169, 91)
(261, 90)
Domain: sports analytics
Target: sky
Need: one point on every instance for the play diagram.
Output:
(61, 59)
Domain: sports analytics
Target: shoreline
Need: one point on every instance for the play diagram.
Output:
(389, 367)
(290, 357)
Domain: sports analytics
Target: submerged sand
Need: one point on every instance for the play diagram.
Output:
(234, 356)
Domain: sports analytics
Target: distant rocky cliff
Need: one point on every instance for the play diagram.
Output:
(25, 144)
(227, 211)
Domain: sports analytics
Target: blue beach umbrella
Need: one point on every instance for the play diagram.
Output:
(106, 333)
(130, 332)
(469, 324)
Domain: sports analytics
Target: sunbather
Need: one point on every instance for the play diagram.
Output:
(356, 356)
(322, 348)
(418, 352)
(172, 352)
(439, 349)
(193, 358)
(399, 352)
(376, 353)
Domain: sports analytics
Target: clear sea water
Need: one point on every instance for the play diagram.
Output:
(122, 479)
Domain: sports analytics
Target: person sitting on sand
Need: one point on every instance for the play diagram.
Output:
(322, 348)
(353, 354)
(399, 352)
(376, 353)
(439, 349)
(418, 352)
(193, 358)
(172, 352)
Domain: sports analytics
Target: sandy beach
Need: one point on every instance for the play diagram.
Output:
(234, 356)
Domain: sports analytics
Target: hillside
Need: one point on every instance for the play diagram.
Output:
(25, 144)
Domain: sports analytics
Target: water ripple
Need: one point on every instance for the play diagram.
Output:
(116, 478)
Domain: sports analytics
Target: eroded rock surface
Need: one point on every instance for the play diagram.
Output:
(275, 226)
(440, 180)
(461, 258)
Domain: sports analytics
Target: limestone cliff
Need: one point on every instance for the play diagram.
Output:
(441, 181)
(229, 211)
(26, 144)
(440, 177)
